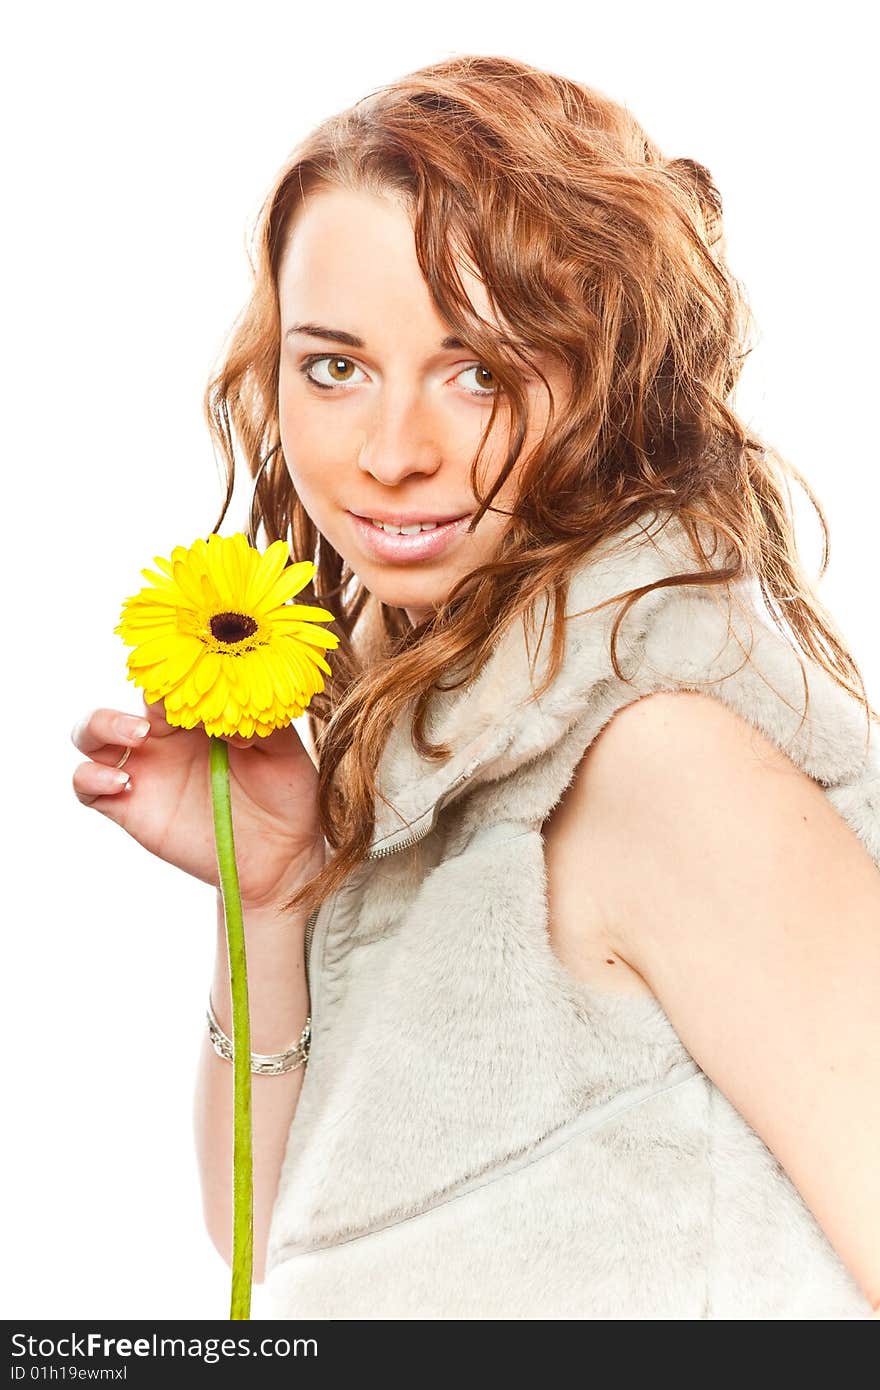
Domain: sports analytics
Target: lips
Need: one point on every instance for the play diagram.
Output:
(423, 545)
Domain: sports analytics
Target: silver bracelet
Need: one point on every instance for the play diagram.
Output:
(263, 1063)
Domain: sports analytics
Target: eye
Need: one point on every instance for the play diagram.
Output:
(483, 372)
(334, 364)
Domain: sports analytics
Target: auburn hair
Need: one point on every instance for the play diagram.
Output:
(593, 247)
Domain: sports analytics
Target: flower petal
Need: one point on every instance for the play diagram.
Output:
(206, 671)
(271, 564)
(218, 549)
(305, 612)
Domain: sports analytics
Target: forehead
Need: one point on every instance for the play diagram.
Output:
(349, 259)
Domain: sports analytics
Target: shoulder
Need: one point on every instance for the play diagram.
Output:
(680, 804)
(679, 745)
(682, 746)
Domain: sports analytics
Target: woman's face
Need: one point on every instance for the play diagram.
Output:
(380, 418)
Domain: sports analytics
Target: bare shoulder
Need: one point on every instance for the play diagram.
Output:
(662, 806)
(592, 842)
(653, 732)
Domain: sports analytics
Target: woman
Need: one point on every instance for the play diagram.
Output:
(593, 950)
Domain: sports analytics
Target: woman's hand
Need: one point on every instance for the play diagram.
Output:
(168, 808)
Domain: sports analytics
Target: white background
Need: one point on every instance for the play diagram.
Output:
(139, 145)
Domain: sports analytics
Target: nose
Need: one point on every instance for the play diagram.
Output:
(403, 438)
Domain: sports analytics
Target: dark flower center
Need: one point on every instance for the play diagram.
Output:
(232, 627)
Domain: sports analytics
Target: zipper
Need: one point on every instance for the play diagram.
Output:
(310, 931)
(382, 851)
(402, 844)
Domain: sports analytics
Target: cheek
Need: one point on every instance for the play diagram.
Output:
(307, 443)
(310, 477)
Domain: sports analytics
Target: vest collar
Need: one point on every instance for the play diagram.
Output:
(495, 724)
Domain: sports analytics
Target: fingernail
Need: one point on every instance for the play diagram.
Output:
(132, 728)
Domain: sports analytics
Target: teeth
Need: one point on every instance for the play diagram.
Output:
(405, 530)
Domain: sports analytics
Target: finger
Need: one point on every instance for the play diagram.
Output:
(155, 712)
(243, 741)
(105, 731)
(94, 782)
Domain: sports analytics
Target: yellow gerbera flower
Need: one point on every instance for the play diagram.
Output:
(215, 637)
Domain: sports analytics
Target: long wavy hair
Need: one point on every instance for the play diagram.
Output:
(595, 248)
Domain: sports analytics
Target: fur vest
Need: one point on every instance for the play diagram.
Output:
(479, 1134)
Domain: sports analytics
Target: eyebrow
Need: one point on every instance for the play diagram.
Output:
(338, 335)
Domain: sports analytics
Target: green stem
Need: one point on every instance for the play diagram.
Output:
(242, 1143)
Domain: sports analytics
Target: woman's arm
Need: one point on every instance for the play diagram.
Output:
(732, 885)
(278, 1007)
